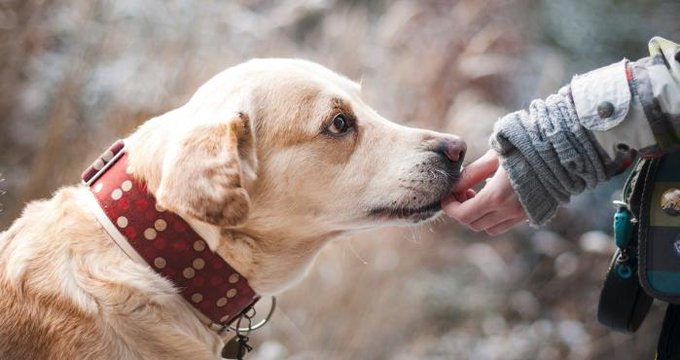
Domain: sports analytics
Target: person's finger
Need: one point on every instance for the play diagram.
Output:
(491, 219)
(459, 196)
(455, 210)
(505, 226)
(468, 211)
(477, 171)
(470, 193)
(451, 207)
(463, 195)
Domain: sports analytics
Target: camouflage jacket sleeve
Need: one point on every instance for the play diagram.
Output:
(633, 104)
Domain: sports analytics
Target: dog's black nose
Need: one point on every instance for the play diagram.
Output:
(453, 148)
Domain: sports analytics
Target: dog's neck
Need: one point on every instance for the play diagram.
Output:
(271, 260)
(148, 233)
(262, 258)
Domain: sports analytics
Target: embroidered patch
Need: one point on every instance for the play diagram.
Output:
(670, 202)
(676, 246)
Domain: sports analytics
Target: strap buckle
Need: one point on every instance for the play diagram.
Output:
(103, 163)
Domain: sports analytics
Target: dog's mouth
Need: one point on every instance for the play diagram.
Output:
(415, 214)
(430, 183)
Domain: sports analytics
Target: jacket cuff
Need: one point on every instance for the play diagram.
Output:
(602, 97)
(608, 106)
(537, 202)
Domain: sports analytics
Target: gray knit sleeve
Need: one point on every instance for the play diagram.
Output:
(548, 155)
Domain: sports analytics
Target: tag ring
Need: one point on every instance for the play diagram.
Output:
(259, 324)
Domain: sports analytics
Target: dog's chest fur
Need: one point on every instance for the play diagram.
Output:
(68, 292)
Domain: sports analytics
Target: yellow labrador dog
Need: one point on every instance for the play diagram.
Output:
(266, 163)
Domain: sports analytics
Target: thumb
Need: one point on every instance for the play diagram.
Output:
(477, 171)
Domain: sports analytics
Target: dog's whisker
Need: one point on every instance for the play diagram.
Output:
(356, 254)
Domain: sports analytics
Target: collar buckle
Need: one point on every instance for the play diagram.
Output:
(103, 163)
(258, 325)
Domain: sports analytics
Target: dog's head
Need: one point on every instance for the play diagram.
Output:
(291, 143)
(288, 147)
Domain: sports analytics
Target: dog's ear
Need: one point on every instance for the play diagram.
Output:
(203, 176)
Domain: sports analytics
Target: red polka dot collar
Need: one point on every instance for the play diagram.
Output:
(165, 242)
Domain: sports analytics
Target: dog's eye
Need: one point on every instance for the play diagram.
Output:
(340, 125)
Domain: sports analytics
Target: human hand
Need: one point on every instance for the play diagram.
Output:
(495, 209)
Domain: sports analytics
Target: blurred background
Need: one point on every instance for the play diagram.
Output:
(76, 75)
